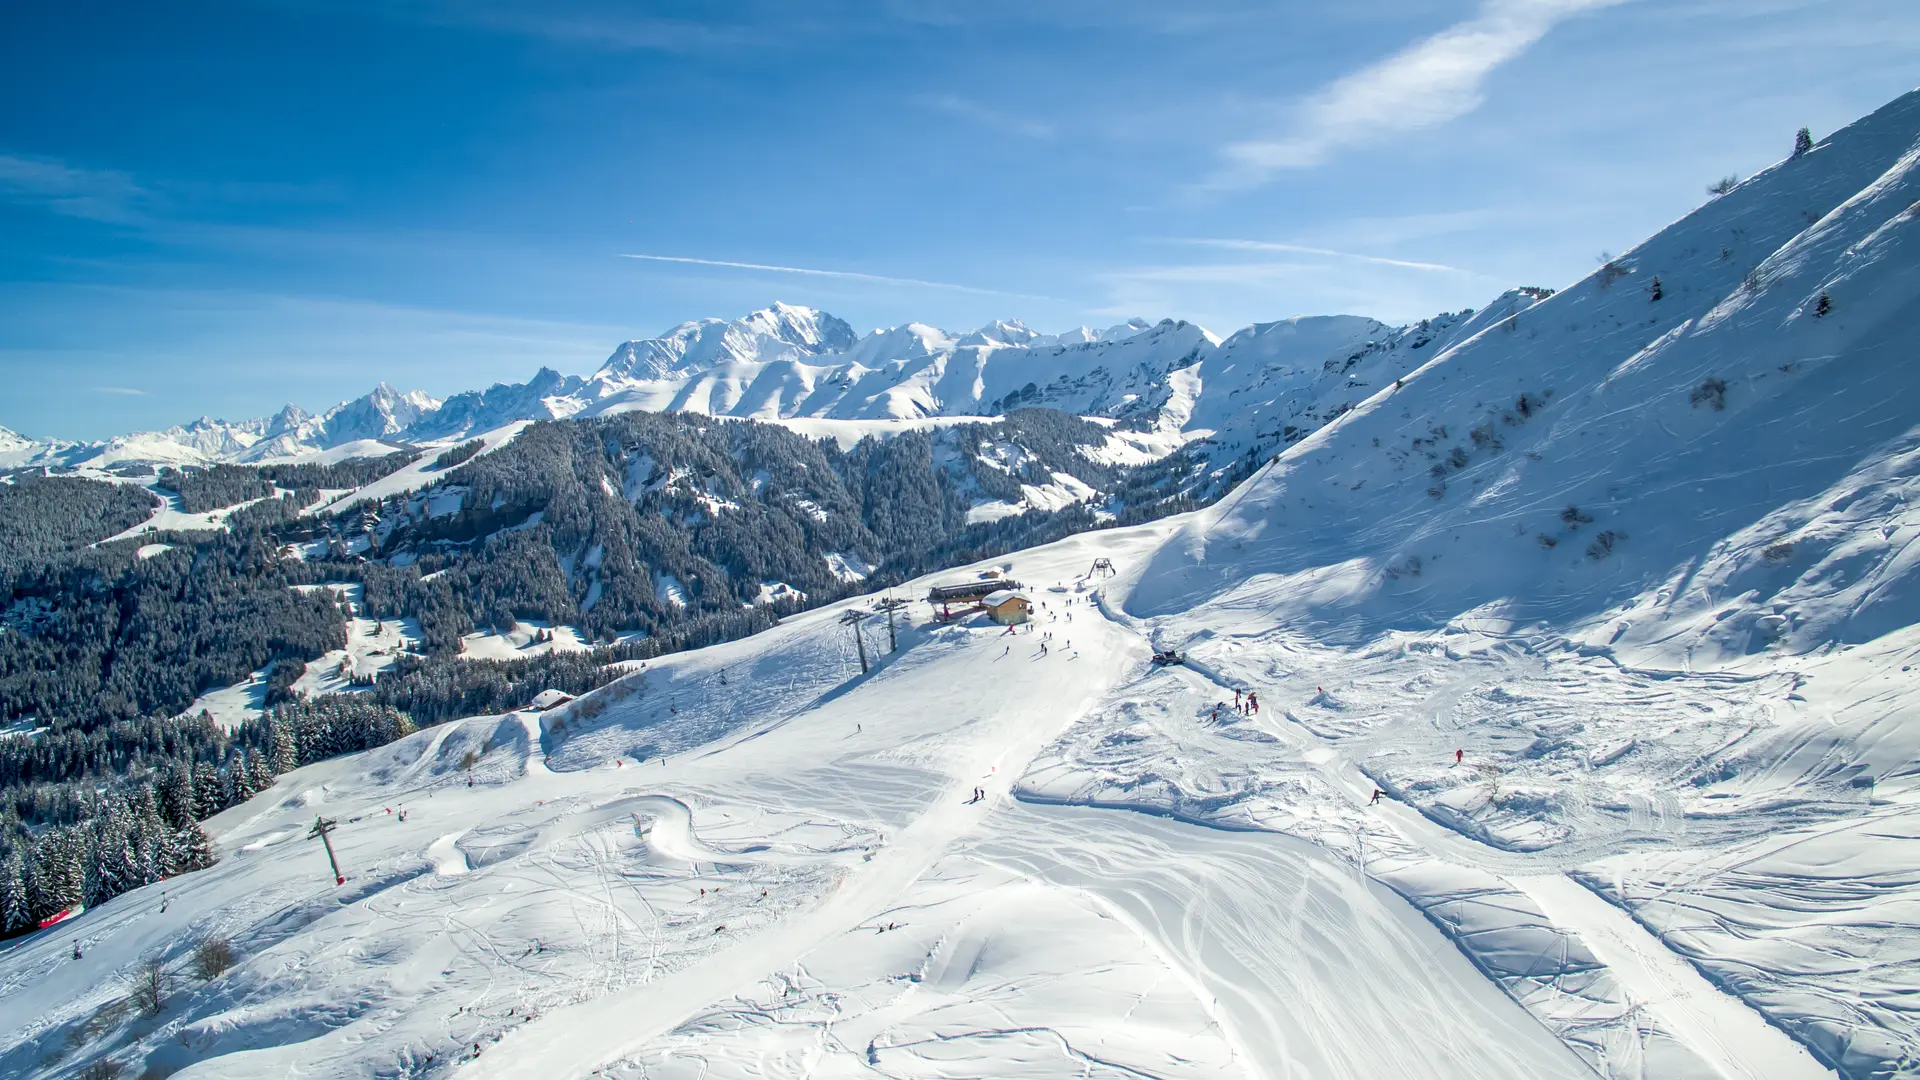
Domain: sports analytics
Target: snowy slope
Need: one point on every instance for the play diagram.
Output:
(750, 860)
(1645, 560)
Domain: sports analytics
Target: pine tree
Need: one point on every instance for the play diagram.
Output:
(176, 794)
(1802, 142)
(259, 771)
(194, 849)
(286, 749)
(116, 865)
(1655, 292)
(206, 791)
(15, 912)
(1822, 305)
(59, 881)
(236, 781)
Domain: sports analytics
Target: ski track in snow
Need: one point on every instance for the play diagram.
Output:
(1721, 1030)
(1719, 1027)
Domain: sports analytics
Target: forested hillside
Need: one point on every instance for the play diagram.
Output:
(647, 532)
(653, 523)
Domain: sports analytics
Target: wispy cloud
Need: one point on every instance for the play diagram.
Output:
(122, 391)
(975, 113)
(120, 198)
(1302, 249)
(1431, 82)
(99, 194)
(843, 275)
(609, 25)
(618, 31)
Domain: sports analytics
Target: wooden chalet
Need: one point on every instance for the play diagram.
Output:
(1008, 607)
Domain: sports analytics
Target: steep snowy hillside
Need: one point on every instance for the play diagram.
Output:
(1642, 552)
(1738, 364)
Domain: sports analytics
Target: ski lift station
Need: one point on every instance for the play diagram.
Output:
(1008, 607)
(969, 594)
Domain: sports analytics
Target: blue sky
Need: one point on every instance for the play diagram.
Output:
(217, 208)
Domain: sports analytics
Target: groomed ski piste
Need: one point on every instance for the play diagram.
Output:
(1585, 747)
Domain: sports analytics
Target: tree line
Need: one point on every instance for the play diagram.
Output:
(91, 814)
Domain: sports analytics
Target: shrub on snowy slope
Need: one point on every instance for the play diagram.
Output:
(1592, 398)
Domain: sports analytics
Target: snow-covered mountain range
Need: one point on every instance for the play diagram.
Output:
(1251, 392)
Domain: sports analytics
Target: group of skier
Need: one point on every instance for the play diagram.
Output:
(1245, 702)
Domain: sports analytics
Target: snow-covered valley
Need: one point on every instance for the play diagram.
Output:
(1582, 638)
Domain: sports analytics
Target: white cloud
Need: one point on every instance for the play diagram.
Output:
(100, 194)
(976, 113)
(122, 391)
(844, 275)
(1431, 82)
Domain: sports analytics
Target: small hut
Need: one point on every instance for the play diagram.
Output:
(1008, 607)
(549, 699)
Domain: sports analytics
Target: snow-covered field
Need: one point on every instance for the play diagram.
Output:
(417, 474)
(169, 517)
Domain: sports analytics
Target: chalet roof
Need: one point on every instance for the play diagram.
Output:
(969, 590)
(995, 599)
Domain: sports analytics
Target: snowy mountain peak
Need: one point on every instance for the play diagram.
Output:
(771, 333)
(384, 412)
(1001, 332)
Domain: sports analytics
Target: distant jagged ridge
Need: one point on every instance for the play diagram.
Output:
(1248, 394)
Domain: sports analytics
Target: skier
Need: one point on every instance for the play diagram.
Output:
(1253, 703)
(1457, 755)
(76, 948)
(1376, 796)
(1043, 648)
(1237, 706)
